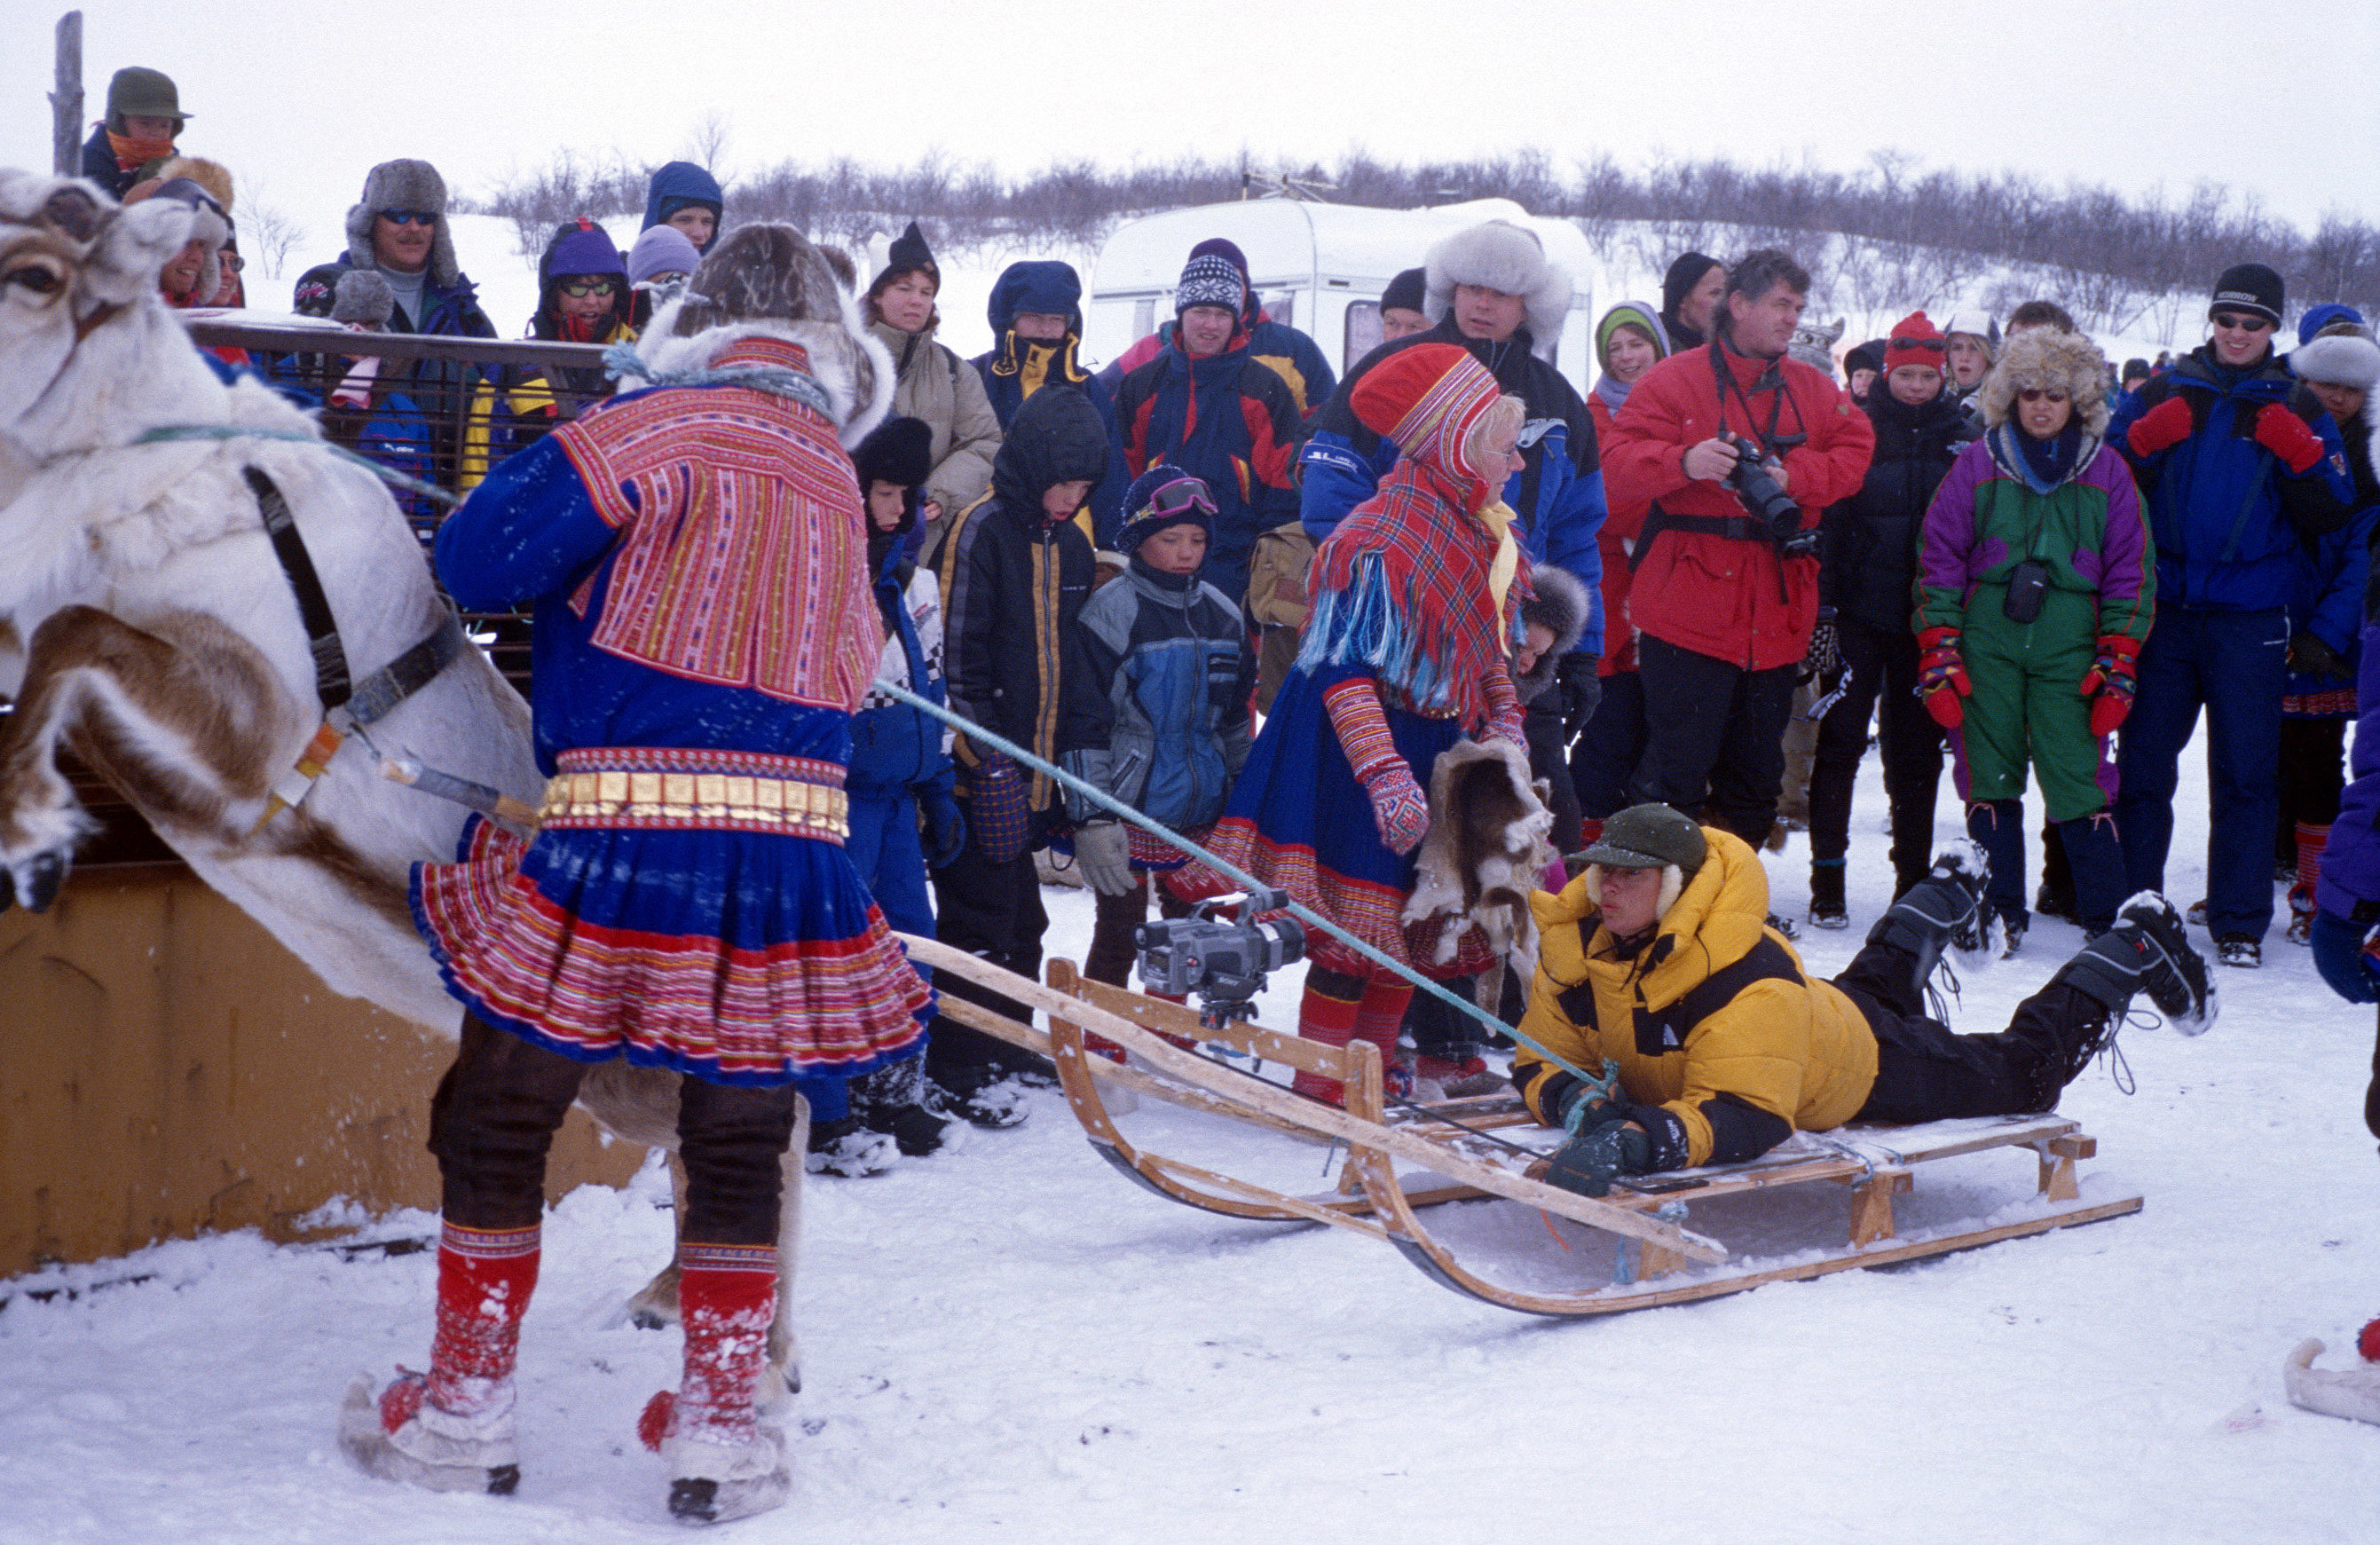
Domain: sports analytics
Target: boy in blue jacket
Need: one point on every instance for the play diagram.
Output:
(1173, 656)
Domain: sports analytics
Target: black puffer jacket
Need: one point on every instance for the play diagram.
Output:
(1868, 543)
(1013, 584)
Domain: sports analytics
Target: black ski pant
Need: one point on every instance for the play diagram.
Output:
(2313, 752)
(1883, 682)
(1541, 726)
(1607, 750)
(1713, 737)
(992, 911)
(496, 1112)
(1927, 1072)
(1113, 952)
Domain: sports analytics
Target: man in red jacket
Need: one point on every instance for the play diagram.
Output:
(1726, 591)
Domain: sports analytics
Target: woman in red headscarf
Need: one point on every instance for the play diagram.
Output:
(1414, 600)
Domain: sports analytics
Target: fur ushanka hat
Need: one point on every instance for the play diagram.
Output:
(1558, 603)
(2043, 357)
(1499, 255)
(403, 185)
(2341, 353)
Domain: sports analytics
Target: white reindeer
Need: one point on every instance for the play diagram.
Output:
(155, 634)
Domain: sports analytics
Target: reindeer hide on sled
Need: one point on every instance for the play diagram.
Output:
(1488, 841)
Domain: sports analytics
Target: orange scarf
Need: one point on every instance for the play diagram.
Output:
(132, 154)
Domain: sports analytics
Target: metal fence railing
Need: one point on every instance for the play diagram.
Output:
(440, 410)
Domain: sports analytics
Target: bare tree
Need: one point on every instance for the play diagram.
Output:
(274, 235)
(707, 141)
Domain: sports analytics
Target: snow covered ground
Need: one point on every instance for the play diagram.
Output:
(1010, 1342)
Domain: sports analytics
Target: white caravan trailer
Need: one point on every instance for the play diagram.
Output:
(1318, 267)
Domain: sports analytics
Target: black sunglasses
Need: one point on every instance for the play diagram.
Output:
(2041, 394)
(2238, 323)
(1931, 346)
(582, 287)
(409, 216)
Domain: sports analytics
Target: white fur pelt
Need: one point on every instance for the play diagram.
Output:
(1499, 255)
(1489, 842)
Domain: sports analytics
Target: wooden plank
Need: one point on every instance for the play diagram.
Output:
(1332, 1121)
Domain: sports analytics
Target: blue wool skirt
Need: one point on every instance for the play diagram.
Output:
(1299, 819)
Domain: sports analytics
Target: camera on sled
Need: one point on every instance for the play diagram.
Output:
(1768, 503)
(1224, 962)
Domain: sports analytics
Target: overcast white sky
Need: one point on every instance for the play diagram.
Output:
(2275, 98)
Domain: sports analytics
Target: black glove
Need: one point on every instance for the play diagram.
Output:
(945, 826)
(1582, 689)
(1582, 1107)
(2310, 656)
(1590, 1163)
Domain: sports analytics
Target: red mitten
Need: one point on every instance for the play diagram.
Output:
(2288, 437)
(1942, 676)
(2161, 428)
(1503, 708)
(2111, 681)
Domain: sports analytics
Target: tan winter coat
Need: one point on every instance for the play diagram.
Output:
(942, 389)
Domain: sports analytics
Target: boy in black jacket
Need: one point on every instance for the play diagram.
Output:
(1015, 570)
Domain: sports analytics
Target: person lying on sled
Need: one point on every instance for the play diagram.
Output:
(1658, 958)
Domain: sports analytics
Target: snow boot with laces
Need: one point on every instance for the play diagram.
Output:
(723, 1461)
(2147, 951)
(450, 1429)
(1945, 908)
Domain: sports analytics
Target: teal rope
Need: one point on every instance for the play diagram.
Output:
(222, 431)
(973, 731)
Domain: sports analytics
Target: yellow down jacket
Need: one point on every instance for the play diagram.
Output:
(1779, 1053)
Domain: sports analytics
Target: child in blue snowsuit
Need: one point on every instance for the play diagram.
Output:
(1172, 653)
(902, 813)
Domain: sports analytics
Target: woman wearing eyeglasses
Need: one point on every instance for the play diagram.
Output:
(2037, 584)
(582, 297)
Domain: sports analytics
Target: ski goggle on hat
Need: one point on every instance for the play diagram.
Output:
(1180, 496)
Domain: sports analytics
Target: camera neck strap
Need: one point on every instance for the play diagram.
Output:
(1770, 379)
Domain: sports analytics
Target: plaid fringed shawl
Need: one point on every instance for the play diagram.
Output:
(1403, 586)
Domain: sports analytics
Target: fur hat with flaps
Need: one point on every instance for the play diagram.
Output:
(2341, 353)
(1559, 606)
(2044, 357)
(1499, 255)
(412, 185)
(767, 280)
(1648, 836)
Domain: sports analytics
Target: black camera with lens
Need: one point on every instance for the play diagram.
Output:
(1768, 502)
(1225, 962)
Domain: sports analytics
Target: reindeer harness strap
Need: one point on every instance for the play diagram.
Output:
(348, 706)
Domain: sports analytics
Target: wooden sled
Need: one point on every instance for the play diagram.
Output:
(1631, 1250)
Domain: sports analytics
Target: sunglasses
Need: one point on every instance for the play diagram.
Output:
(1179, 497)
(1931, 346)
(581, 289)
(2041, 394)
(409, 216)
(233, 263)
(2233, 321)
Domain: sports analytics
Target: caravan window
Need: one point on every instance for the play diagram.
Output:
(1143, 318)
(1363, 331)
(1279, 305)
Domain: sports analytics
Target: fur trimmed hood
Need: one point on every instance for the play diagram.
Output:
(770, 281)
(2045, 356)
(1560, 602)
(403, 185)
(1501, 256)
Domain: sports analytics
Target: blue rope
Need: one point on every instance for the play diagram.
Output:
(1603, 1082)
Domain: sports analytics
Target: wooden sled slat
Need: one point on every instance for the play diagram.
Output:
(1329, 1121)
(1653, 1266)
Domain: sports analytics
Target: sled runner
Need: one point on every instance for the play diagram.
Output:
(1660, 1239)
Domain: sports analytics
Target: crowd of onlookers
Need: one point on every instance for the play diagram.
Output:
(1979, 537)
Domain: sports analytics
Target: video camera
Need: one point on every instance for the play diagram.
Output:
(1768, 502)
(1224, 963)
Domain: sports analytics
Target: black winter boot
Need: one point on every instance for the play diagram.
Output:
(1945, 909)
(2147, 951)
(1827, 909)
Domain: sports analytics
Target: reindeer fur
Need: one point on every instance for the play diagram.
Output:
(1487, 842)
